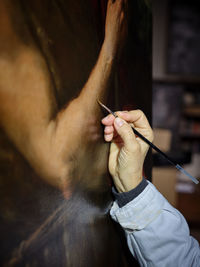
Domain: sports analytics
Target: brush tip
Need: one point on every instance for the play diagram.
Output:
(106, 108)
(99, 102)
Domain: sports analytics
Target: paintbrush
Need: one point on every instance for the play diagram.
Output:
(178, 167)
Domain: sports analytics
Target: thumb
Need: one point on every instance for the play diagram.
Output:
(125, 132)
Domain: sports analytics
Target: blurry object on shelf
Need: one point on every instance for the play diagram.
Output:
(192, 111)
(184, 37)
(191, 96)
(188, 99)
(189, 128)
(162, 139)
(190, 119)
(185, 187)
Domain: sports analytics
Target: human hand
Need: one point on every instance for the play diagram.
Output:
(116, 26)
(127, 151)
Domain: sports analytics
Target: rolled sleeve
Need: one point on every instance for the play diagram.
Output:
(125, 197)
(157, 234)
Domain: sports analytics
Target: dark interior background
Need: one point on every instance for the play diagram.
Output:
(176, 100)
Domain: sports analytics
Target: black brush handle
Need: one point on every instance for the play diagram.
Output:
(153, 146)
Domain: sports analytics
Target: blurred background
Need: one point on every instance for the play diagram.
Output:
(176, 103)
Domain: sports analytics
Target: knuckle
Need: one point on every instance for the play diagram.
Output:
(137, 112)
(140, 113)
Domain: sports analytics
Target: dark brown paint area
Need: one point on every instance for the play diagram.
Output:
(40, 226)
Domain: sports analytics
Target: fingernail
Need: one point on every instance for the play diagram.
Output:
(105, 119)
(119, 122)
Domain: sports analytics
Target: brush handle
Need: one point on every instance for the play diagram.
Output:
(178, 167)
(153, 146)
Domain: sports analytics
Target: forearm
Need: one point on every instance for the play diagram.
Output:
(157, 234)
(48, 138)
(98, 82)
(28, 113)
(80, 116)
(84, 109)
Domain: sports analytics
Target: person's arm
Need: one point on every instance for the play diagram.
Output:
(157, 234)
(47, 137)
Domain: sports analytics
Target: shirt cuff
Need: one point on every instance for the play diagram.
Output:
(123, 198)
(141, 211)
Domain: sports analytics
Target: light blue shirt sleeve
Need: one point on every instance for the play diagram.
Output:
(157, 234)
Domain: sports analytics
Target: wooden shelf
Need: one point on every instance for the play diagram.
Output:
(193, 111)
(175, 78)
(190, 136)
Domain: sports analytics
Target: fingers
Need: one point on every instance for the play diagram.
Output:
(109, 129)
(108, 133)
(108, 137)
(125, 132)
(136, 117)
(139, 120)
(108, 120)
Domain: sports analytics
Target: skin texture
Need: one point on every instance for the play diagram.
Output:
(47, 137)
(127, 151)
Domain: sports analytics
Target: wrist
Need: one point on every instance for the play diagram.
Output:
(127, 184)
(132, 184)
(108, 51)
